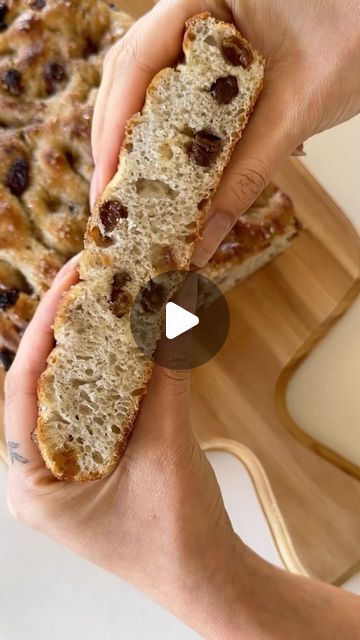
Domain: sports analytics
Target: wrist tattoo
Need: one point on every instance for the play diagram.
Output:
(14, 454)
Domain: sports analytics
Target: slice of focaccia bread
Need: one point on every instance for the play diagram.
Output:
(261, 234)
(146, 222)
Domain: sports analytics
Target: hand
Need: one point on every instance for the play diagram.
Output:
(159, 520)
(312, 83)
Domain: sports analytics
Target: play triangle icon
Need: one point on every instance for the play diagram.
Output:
(178, 321)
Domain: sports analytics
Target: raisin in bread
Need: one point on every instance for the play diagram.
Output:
(260, 235)
(37, 158)
(51, 56)
(171, 162)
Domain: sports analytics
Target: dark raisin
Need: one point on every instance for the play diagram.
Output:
(90, 48)
(12, 81)
(119, 282)
(6, 358)
(236, 52)
(122, 305)
(111, 212)
(70, 158)
(54, 73)
(99, 239)
(225, 90)
(8, 297)
(205, 148)
(3, 11)
(18, 177)
(37, 5)
(153, 297)
(120, 299)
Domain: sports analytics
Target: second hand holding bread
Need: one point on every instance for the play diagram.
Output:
(146, 223)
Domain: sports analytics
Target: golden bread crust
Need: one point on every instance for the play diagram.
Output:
(51, 56)
(95, 375)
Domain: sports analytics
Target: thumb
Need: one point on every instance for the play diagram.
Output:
(164, 411)
(269, 138)
(170, 389)
(166, 404)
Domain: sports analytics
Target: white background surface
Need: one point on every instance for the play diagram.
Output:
(328, 406)
(46, 592)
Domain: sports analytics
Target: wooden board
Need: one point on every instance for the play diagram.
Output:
(312, 506)
(276, 318)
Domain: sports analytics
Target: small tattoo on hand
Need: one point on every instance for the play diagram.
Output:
(14, 454)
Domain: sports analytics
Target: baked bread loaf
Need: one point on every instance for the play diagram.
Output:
(260, 235)
(44, 46)
(146, 222)
(51, 55)
(36, 158)
(52, 148)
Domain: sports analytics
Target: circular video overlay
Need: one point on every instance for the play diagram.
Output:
(180, 320)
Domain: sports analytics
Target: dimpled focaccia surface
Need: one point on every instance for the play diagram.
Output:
(261, 234)
(42, 46)
(51, 56)
(46, 162)
(146, 222)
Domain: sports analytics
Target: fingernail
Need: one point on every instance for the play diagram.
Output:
(299, 152)
(94, 189)
(68, 268)
(215, 230)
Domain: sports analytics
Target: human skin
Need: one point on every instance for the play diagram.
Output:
(312, 53)
(159, 521)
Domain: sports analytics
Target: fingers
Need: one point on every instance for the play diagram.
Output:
(165, 409)
(21, 407)
(152, 44)
(269, 138)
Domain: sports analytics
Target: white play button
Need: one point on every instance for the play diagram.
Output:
(178, 320)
